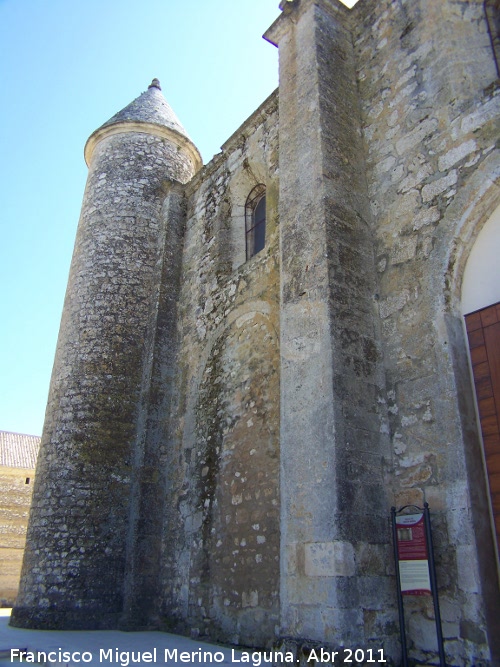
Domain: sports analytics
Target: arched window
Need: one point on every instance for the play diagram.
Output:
(255, 220)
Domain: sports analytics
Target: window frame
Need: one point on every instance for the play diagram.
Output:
(255, 197)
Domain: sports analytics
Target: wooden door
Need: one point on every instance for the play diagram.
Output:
(483, 330)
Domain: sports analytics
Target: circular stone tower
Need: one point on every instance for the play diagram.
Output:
(75, 556)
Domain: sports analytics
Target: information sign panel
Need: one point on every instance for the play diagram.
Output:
(413, 555)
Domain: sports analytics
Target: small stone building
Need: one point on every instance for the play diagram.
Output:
(18, 455)
(260, 356)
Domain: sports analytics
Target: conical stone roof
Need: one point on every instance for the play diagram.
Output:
(150, 109)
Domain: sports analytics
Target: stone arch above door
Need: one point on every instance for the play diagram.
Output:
(481, 278)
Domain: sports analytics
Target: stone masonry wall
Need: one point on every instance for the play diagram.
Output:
(336, 586)
(221, 535)
(16, 488)
(426, 77)
(143, 571)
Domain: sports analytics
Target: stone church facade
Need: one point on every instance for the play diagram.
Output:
(260, 356)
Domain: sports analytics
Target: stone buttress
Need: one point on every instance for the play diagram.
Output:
(85, 558)
(334, 538)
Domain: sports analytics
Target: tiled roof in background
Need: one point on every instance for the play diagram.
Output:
(18, 450)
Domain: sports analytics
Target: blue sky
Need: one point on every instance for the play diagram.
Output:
(65, 68)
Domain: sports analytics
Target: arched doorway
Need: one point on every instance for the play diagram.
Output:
(480, 303)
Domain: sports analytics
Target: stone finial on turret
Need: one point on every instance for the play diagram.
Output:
(155, 83)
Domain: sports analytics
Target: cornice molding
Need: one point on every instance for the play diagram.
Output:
(161, 131)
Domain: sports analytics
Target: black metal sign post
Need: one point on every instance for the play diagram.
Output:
(434, 588)
(412, 543)
(402, 630)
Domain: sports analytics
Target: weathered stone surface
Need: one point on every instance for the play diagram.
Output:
(329, 559)
(16, 488)
(224, 449)
(430, 99)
